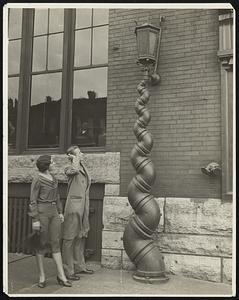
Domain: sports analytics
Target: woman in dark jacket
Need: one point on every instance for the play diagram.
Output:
(46, 212)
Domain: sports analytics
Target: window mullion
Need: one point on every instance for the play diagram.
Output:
(67, 79)
(24, 81)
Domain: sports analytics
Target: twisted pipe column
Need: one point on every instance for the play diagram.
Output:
(138, 235)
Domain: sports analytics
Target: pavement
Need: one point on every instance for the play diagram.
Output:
(22, 280)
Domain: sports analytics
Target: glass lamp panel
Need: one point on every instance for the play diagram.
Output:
(143, 44)
(153, 37)
(14, 53)
(55, 51)
(89, 107)
(15, 23)
(82, 47)
(44, 115)
(40, 21)
(100, 16)
(13, 84)
(56, 21)
(100, 45)
(83, 17)
(39, 53)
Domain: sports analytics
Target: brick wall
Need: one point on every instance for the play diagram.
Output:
(185, 107)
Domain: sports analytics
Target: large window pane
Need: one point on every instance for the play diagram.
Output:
(55, 51)
(89, 107)
(82, 47)
(100, 45)
(41, 21)
(14, 52)
(56, 22)
(83, 17)
(39, 53)
(100, 16)
(15, 23)
(12, 110)
(44, 117)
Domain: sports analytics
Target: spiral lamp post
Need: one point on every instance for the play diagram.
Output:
(138, 235)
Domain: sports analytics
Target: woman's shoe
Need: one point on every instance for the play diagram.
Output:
(41, 284)
(63, 283)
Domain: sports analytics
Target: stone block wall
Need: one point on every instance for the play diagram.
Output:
(194, 235)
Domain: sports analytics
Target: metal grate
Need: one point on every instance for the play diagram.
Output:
(19, 225)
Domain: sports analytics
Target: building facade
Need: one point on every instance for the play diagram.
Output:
(72, 80)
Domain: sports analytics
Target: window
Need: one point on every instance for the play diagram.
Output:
(57, 78)
(46, 76)
(90, 84)
(14, 53)
(225, 55)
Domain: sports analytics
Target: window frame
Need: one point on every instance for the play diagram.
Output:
(25, 78)
(225, 56)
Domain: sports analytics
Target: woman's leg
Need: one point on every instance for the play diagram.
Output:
(39, 259)
(55, 232)
(58, 260)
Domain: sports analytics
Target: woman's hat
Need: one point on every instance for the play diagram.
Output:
(44, 159)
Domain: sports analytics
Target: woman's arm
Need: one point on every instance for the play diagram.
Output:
(35, 189)
(59, 204)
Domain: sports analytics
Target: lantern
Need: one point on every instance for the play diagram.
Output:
(148, 37)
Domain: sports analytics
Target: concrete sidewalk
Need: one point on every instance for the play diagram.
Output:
(22, 279)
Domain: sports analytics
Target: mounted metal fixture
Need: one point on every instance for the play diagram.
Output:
(212, 169)
(148, 38)
(138, 238)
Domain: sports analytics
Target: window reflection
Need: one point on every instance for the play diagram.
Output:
(100, 45)
(15, 23)
(56, 22)
(14, 52)
(100, 16)
(12, 110)
(44, 120)
(41, 21)
(89, 107)
(39, 53)
(82, 47)
(83, 18)
(55, 51)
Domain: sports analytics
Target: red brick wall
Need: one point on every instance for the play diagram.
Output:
(185, 107)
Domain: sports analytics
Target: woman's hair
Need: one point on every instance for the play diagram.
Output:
(43, 162)
(71, 149)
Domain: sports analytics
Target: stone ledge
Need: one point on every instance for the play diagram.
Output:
(195, 244)
(103, 167)
(199, 267)
(196, 215)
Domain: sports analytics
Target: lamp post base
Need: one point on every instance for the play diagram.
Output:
(148, 279)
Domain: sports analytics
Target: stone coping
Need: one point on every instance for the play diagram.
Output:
(103, 167)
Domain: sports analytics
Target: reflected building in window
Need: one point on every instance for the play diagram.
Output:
(89, 121)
